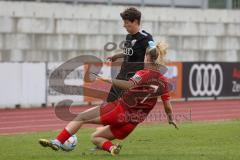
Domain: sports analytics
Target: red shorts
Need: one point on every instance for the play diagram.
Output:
(113, 114)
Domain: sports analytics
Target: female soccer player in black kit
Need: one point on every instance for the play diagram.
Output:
(137, 41)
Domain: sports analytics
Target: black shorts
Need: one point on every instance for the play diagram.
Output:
(116, 92)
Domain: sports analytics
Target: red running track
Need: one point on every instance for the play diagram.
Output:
(15, 121)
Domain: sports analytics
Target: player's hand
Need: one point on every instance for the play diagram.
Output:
(174, 124)
(112, 58)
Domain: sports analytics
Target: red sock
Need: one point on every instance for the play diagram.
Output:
(63, 136)
(107, 145)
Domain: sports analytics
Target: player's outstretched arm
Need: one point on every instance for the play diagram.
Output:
(117, 82)
(122, 83)
(168, 109)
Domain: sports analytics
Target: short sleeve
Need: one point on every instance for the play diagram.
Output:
(165, 97)
(149, 43)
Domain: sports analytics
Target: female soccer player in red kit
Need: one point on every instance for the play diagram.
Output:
(122, 116)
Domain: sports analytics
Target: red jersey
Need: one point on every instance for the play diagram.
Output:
(149, 85)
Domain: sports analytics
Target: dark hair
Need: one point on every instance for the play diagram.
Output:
(131, 14)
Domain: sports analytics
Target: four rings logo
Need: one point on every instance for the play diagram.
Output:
(206, 79)
(127, 50)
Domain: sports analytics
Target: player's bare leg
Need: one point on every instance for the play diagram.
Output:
(89, 116)
(102, 139)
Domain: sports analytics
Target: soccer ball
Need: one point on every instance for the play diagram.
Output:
(70, 144)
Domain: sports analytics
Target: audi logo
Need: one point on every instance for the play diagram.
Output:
(128, 51)
(206, 80)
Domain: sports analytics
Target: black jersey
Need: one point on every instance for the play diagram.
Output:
(134, 51)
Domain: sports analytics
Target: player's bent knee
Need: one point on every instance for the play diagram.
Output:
(94, 139)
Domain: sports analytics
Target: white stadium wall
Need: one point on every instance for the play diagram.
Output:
(27, 85)
(22, 84)
(31, 31)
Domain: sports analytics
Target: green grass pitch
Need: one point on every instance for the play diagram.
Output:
(194, 141)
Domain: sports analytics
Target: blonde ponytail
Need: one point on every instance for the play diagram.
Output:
(161, 49)
(158, 53)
